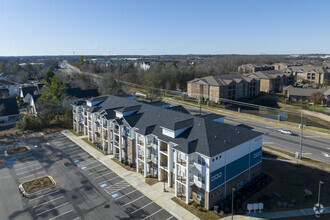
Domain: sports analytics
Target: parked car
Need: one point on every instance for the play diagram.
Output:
(286, 131)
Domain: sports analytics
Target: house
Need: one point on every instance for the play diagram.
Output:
(9, 112)
(201, 157)
(13, 88)
(280, 66)
(304, 94)
(31, 90)
(250, 68)
(273, 80)
(312, 74)
(73, 93)
(230, 86)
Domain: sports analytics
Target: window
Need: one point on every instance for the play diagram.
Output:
(201, 160)
(216, 158)
(213, 159)
(201, 178)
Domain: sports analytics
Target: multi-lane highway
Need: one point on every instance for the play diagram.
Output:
(313, 146)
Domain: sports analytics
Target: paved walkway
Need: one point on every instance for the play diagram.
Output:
(154, 192)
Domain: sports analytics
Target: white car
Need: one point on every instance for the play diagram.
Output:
(286, 131)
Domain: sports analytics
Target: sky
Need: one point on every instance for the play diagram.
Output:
(156, 27)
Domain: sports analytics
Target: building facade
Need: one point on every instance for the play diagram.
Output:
(311, 74)
(232, 86)
(201, 157)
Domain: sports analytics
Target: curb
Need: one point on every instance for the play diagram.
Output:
(21, 188)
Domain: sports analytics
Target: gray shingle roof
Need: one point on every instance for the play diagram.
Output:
(8, 107)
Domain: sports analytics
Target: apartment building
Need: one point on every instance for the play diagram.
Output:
(312, 74)
(250, 68)
(230, 86)
(274, 80)
(201, 157)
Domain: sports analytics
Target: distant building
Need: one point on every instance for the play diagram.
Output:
(250, 68)
(312, 74)
(142, 65)
(280, 66)
(230, 86)
(31, 90)
(304, 94)
(272, 81)
(13, 88)
(9, 112)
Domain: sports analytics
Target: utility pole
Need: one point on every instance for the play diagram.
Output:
(301, 134)
(232, 203)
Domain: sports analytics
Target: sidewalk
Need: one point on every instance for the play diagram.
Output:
(287, 214)
(154, 192)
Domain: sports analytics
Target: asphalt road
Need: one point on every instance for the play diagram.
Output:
(85, 188)
(312, 146)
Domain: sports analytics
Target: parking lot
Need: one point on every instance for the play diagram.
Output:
(85, 188)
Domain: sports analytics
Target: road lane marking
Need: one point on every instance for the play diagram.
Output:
(153, 214)
(62, 214)
(133, 201)
(48, 210)
(142, 207)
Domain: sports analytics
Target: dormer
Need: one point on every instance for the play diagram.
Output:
(125, 111)
(174, 130)
(96, 101)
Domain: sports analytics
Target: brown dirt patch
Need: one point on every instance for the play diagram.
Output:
(151, 180)
(17, 150)
(37, 184)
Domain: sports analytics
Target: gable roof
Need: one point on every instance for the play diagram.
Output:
(8, 107)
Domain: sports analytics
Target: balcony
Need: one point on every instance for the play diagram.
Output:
(141, 155)
(182, 162)
(140, 142)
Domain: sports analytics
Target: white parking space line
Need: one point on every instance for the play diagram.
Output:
(88, 163)
(108, 180)
(142, 207)
(29, 171)
(22, 164)
(94, 166)
(35, 175)
(133, 200)
(97, 171)
(80, 157)
(125, 194)
(45, 195)
(102, 175)
(153, 214)
(61, 214)
(28, 166)
(170, 217)
(115, 190)
(48, 210)
(73, 150)
(48, 202)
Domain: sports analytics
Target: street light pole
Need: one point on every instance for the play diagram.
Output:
(301, 134)
(318, 199)
(232, 203)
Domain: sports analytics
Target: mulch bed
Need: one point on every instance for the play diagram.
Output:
(37, 184)
(17, 150)
(151, 180)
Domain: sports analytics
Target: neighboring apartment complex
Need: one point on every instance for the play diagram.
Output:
(231, 86)
(201, 157)
(273, 80)
(312, 74)
(250, 68)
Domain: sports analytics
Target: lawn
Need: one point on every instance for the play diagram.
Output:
(288, 181)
